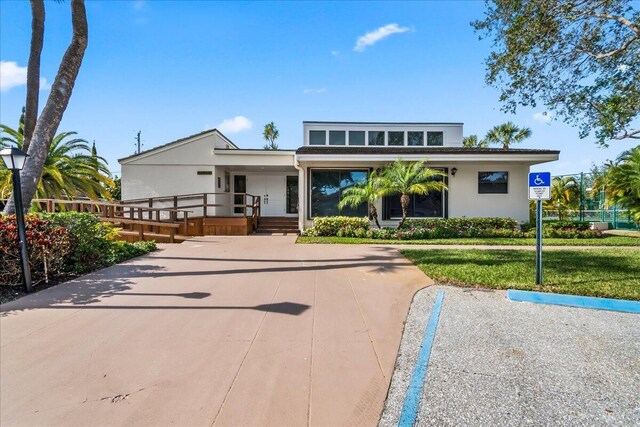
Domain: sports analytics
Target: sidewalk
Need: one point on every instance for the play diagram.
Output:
(243, 331)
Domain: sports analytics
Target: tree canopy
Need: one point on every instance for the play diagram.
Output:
(506, 134)
(270, 134)
(578, 58)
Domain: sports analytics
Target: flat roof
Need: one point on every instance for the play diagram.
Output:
(385, 123)
(326, 149)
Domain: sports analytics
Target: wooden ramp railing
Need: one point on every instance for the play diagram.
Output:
(168, 216)
(144, 221)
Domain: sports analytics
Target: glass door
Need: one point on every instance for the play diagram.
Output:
(239, 186)
(292, 194)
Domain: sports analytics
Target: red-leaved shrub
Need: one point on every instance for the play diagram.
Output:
(48, 245)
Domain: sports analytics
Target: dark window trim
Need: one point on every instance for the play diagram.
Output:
(493, 192)
(326, 135)
(426, 142)
(204, 172)
(308, 172)
(445, 201)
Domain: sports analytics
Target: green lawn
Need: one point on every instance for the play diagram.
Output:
(611, 273)
(605, 241)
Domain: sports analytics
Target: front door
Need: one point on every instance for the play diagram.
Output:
(272, 191)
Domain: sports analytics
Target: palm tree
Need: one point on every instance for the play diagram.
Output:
(472, 141)
(507, 134)
(70, 169)
(565, 195)
(270, 135)
(365, 192)
(408, 178)
(623, 182)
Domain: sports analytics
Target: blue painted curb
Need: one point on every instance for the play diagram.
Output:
(411, 404)
(608, 304)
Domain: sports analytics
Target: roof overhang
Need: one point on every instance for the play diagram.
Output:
(431, 154)
(250, 158)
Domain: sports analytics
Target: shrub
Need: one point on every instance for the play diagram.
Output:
(48, 245)
(122, 251)
(438, 228)
(341, 226)
(91, 240)
(460, 223)
(563, 230)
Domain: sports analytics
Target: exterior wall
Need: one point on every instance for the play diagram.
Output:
(463, 196)
(141, 181)
(464, 199)
(452, 132)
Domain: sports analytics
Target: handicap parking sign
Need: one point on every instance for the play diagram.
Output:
(539, 185)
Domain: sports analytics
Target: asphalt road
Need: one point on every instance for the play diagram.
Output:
(501, 363)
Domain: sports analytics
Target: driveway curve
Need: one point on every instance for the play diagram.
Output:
(216, 331)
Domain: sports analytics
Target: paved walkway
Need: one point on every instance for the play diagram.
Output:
(245, 331)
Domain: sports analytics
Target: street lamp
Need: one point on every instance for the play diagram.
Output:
(14, 159)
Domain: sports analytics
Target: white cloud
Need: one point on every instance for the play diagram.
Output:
(335, 52)
(543, 117)
(12, 75)
(235, 125)
(375, 36)
(314, 91)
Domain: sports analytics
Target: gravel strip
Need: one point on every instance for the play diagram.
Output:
(496, 362)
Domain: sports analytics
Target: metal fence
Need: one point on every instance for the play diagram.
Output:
(617, 218)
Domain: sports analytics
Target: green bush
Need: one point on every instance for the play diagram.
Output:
(48, 246)
(338, 226)
(94, 243)
(563, 230)
(91, 240)
(558, 225)
(462, 223)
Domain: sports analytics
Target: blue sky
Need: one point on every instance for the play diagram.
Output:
(172, 69)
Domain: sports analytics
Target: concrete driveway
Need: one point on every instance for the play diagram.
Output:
(245, 331)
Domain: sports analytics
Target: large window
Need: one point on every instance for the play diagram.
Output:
(493, 182)
(376, 137)
(396, 138)
(430, 205)
(356, 137)
(415, 138)
(337, 137)
(327, 186)
(317, 137)
(435, 138)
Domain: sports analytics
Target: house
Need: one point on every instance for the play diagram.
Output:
(308, 182)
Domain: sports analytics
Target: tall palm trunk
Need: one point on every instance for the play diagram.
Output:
(404, 202)
(47, 123)
(374, 214)
(33, 71)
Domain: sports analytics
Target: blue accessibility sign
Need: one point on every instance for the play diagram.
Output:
(539, 186)
(540, 179)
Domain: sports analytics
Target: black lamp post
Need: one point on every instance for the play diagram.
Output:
(14, 159)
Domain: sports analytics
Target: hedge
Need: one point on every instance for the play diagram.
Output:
(63, 245)
(439, 228)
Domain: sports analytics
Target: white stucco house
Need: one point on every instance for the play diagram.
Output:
(308, 182)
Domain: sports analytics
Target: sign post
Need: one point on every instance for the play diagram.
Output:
(539, 190)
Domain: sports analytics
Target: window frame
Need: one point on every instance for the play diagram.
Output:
(344, 137)
(317, 131)
(310, 171)
(434, 132)
(384, 138)
(493, 192)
